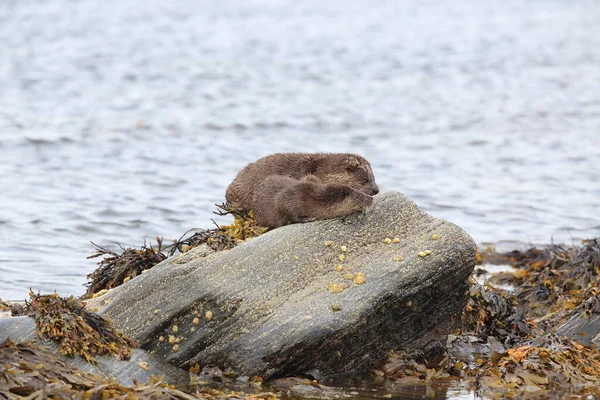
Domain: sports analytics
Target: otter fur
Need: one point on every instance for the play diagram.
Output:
(287, 188)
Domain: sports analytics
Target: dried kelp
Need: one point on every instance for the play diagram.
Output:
(115, 269)
(547, 362)
(76, 330)
(500, 345)
(29, 370)
(552, 283)
(244, 224)
(491, 312)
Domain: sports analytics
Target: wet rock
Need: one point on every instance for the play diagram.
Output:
(585, 324)
(140, 366)
(270, 301)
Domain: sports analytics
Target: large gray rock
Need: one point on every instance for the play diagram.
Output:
(273, 312)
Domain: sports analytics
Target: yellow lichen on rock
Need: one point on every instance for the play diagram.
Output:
(359, 278)
(336, 288)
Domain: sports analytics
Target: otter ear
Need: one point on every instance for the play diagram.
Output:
(352, 163)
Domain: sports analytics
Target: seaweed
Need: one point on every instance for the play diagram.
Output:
(492, 312)
(547, 362)
(76, 330)
(115, 269)
(29, 370)
(502, 343)
(555, 282)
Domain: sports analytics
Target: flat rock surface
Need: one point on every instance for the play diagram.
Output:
(268, 307)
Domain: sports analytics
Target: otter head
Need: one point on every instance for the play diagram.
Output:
(353, 171)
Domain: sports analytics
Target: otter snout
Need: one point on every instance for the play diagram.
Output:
(375, 190)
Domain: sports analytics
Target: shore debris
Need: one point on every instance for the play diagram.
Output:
(30, 371)
(115, 269)
(506, 342)
(76, 330)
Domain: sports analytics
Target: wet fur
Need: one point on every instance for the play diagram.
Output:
(281, 200)
(349, 170)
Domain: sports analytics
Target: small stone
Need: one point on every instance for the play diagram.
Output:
(328, 243)
(396, 240)
(127, 279)
(339, 268)
(335, 307)
(178, 340)
(435, 236)
(422, 254)
(296, 258)
(428, 252)
(398, 258)
(175, 328)
(342, 257)
(196, 321)
(387, 240)
(161, 339)
(193, 329)
(156, 311)
(176, 348)
(144, 365)
(343, 249)
(171, 339)
(208, 315)
(348, 276)
(359, 278)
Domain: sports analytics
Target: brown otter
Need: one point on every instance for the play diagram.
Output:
(285, 188)
(280, 200)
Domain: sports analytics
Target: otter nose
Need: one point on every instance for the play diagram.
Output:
(375, 191)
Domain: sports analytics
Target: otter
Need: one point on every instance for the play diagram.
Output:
(286, 188)
(280, 200)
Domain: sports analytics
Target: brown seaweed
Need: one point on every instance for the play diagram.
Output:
(117, 268)
(76, 330)
(29, 370)
(498, 343)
